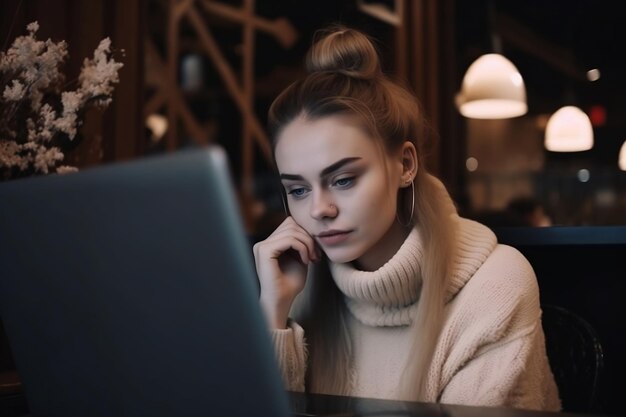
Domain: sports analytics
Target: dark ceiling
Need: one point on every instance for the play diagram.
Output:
(553, 43)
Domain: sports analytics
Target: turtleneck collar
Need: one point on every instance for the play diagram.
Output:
(389, 295)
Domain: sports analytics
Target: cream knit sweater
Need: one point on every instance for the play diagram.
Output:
(491, 350)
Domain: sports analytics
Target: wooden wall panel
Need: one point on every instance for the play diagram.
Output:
(425, 57)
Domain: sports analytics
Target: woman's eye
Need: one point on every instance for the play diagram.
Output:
(297, 192)
(344, 182)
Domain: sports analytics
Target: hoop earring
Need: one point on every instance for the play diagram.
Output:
(410, 222)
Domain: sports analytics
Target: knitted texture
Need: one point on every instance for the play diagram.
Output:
(388, 296)
(491, 349)
(291, 355)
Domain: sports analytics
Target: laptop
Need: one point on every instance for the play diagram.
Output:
(129, 290)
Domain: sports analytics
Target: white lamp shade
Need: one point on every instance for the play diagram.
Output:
(622, 157)
(569, 130)
(492, 88)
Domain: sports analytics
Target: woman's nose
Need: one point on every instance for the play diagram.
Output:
(323, 207)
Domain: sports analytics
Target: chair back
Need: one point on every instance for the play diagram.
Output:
(576, 358)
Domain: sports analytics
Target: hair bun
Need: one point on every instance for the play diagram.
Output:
(344, 50)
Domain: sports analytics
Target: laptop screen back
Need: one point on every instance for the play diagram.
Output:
(129, 290)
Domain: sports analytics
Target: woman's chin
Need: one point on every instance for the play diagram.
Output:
(340, 257)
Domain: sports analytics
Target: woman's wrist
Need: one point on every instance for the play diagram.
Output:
(276, 313)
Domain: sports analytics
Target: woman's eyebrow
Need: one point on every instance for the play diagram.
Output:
(325, 172)
(334, 167)
(291, 177)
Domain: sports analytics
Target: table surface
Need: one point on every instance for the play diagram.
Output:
(305, 405)
(311, 405)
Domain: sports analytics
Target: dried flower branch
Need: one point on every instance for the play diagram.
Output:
(35, 113)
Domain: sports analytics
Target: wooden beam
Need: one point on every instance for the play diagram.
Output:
(230, 81)
(281, 29)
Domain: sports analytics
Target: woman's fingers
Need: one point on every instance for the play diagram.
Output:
(281, 263)
(277, 246)
(290, 227)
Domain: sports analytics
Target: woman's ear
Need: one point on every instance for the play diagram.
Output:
(408, 156)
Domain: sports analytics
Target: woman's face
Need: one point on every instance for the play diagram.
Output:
(342, 189)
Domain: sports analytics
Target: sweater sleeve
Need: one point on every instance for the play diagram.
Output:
(495, 346)
(511, 373)
(291, 353)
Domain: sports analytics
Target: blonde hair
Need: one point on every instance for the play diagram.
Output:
(345, 77)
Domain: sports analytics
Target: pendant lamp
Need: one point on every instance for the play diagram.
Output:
(492, 88)
(622, 157)
(569, 130)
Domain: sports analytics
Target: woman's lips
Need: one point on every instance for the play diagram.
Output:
(333, 237)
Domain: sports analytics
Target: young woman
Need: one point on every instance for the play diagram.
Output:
(373, 285)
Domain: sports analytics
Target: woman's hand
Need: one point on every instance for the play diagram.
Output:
(282, 262)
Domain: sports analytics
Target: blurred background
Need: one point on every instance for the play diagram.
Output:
(200, 72)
